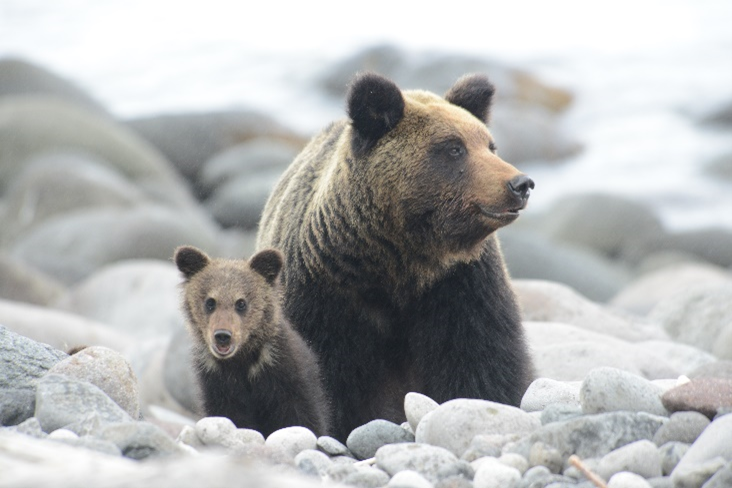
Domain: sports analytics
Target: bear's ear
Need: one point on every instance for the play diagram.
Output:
(190, 260)
(267, 263)
(474, 93)
(375, 106)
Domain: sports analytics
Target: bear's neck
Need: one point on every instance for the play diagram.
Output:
(348, 242)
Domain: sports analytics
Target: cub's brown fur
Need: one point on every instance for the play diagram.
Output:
(251, 365)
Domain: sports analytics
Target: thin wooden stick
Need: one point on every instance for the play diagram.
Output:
(575, 461)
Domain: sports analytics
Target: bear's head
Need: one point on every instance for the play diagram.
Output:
(430, 165)
(231, 305)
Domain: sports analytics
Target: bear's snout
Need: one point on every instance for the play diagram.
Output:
(222, 342)
(521, 186)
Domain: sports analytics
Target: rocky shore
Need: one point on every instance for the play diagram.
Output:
(630, 324)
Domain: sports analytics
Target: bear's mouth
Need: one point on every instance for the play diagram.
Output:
(222, 345)
(503, 215)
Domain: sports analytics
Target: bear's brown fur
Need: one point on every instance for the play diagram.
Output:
(394, 274)
(251, 365)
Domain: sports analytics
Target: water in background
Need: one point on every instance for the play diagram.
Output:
(643, 72)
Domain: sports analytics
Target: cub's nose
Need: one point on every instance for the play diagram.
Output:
(521, 186)
(222, 338)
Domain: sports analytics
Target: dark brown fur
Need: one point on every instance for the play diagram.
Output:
(266, 377)
(394, 274)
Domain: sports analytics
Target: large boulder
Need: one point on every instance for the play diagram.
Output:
(139, 297)
(34, 125)
(73, 246)
(20, 77)
(23, 361)
(20, 282)
(531, 255)
(190, 139)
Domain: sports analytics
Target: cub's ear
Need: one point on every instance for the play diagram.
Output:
(267, 263)
(375, 106)
(474, 93)
(190, 260)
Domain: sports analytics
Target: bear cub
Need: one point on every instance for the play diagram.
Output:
(251, 365)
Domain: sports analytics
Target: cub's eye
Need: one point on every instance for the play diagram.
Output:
(492, 146)
(240, 305)
(210, 305)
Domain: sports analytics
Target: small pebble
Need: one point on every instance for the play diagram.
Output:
(682, 427)
(546, 391)
(627, 480)
(216, 431)
(332, 446)
(292, 440)
(494, 474)
(432, 462)
(671, 453)
(312, 462)
(641, 457)
(416, 406)
(365, 440)
(541, 454)
(409, 479)
(704, 395)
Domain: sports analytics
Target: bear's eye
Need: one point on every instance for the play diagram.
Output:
(210, 305)
(240, 305)
(492, 146)
(456, 151)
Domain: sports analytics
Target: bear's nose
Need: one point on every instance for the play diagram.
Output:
(521, 186)
(222, 337)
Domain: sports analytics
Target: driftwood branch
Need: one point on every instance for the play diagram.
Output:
(577, 463)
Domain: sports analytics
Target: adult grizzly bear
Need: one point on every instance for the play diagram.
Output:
(393, 272)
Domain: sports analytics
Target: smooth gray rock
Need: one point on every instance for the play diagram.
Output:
(140, 440)
(409, 479)
(22, 283)
(366, 439)
(671, 453)
(74, 245)
(454, 423)
(541, 454)
(216, 431)
(568, 353)
(30, 427)
(106, 369)
(312, 462)
(332, 447)
(188, 140)
(494, 474)
(721, 479)
(292, 440)
(547, 301)
(592, 436)
(366, 477)
(515, 461)
(140, 297)
(558, 412)
(711, 451)
(533, 256)
(432, 462)
(16, 405)
(179, 374)
(21, 77)
(61, 401)
(612, 390)
(546, 391)
(682, 427)
(627, 480)
(416, 406)
(23, 360)
(641, 457)
(239, 202)
(486, 445)
(701, 317)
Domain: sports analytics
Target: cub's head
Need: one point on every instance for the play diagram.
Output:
(232, 306)
(431, 164)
